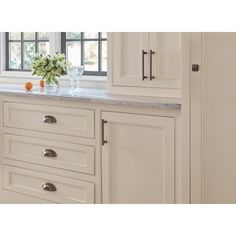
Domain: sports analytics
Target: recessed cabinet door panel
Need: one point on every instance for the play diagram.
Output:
(31, 183)
(127, 62)
(138, 159)
(167, 57)
(166, 62)
(36, 150)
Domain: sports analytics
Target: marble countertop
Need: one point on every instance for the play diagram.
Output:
(90, 95)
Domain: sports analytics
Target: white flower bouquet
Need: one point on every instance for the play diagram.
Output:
(50, 67)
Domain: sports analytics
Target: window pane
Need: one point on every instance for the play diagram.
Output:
(91, 56)
(15, 55)
(29, 35)
(73, 35)
(73, 52)
(91, 35)
(29, 54)
(43, 47)
(104, 35)
(15, 35)
(104, 56)
(43, 36)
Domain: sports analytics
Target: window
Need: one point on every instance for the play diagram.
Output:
(88, 49)
(22, 47)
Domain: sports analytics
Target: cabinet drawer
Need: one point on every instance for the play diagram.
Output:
(64, 190)
(51, 153)
(79, 122)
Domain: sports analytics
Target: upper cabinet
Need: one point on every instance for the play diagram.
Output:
(145, 63)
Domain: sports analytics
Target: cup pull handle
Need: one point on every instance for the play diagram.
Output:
(49, 119)
(49, 153)
(49, 187)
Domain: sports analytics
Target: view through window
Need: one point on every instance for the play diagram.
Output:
(81, 48)
(88, 49)
(21, 48)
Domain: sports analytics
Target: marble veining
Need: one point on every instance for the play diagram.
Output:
(90, 95)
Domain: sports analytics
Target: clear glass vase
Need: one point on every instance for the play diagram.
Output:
(51, 88)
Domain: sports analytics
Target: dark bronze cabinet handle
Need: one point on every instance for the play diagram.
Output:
(151, 76)
(49, 187)
(49, 153)
(143, 76)
(49, 119)
(195, 67)
(103, 141)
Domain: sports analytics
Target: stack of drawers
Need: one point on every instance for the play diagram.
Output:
(54, 148)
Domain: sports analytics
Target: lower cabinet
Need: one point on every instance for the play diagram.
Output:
(130, 160)
(48, 154)
(137, 158)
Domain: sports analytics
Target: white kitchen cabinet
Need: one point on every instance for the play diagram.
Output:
(50, 146)
(137, 158)
(140, 163)
(145, 63)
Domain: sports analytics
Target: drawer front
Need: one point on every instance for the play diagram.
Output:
(45, 186)
(79, 122)
(51, 153)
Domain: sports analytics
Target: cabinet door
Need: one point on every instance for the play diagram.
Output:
(127, 58)
(138, 159)
(167, 57)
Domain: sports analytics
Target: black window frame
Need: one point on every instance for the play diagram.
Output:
(21, 41)
(82, 40)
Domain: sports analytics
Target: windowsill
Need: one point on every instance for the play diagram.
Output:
(22, 77)
(16, 75)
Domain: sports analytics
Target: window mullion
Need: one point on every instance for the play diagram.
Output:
(7, 51)
(22, 51)
(82, 48)
(36, 42)
(99, 52)
(63, 42)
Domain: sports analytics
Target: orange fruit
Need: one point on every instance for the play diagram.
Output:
(41, 83)
(28, 85)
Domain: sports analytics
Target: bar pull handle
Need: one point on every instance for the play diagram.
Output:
(151, 76)
(103, 140)
(143, 54)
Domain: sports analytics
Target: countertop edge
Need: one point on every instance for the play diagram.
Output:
(125, 100)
